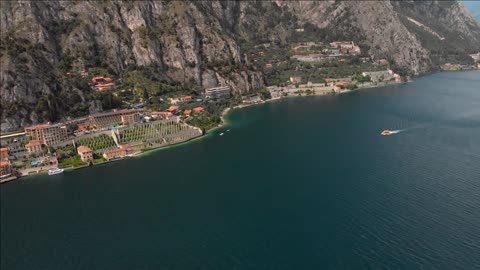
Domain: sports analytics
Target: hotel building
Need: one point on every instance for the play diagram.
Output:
(48, 134)
(116, 117)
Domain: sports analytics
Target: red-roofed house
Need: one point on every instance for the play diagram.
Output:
(268, 65)
(97, 79)
(187, 112)
(341, 83)
(86, 154)
(5, 168)
(106, 86)
(198, 109)
(172, 109)
(118, 153)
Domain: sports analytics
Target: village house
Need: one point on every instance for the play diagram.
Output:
(340, 86)
(33, 147)
(172, 109)
(86, 154)
(342, 83)
(120, 152)
(198, 109)
(47, 134)
(268, 65)
(5, 168)
(3, 153)
(101, 79)
(187, 112)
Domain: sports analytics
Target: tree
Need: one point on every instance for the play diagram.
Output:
(265, 94)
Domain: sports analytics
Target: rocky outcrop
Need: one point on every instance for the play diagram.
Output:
(196, 42)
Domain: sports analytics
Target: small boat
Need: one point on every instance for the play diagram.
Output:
(55, 171)
(228, 129)
(386, 132)
(221, 134)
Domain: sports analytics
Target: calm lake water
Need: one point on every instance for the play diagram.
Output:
(305, 183)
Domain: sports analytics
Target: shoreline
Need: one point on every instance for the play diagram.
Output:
(223, 123)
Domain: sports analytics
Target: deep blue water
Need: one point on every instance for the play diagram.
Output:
(305, 183)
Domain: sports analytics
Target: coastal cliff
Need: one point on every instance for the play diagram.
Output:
(199, 43)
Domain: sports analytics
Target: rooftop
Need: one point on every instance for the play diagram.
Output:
(198, 109)
(33, 143)
(114, 112)
(4, 162)
(172, 108)
(83, 149)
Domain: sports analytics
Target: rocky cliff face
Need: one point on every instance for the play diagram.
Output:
(196, 42)
(412, 33)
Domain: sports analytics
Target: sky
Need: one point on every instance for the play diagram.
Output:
(474, 7)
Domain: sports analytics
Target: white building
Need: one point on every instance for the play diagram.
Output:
(218, 92)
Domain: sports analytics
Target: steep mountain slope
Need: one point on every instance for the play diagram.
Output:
(199, 43)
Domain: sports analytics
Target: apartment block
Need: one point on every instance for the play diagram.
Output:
(218, 92)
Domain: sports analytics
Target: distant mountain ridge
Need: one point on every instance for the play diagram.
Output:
(200, 43)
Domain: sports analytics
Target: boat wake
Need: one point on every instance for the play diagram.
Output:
(397, 131)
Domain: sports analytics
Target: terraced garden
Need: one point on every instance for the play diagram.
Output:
(149, 131)
(99, 142)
